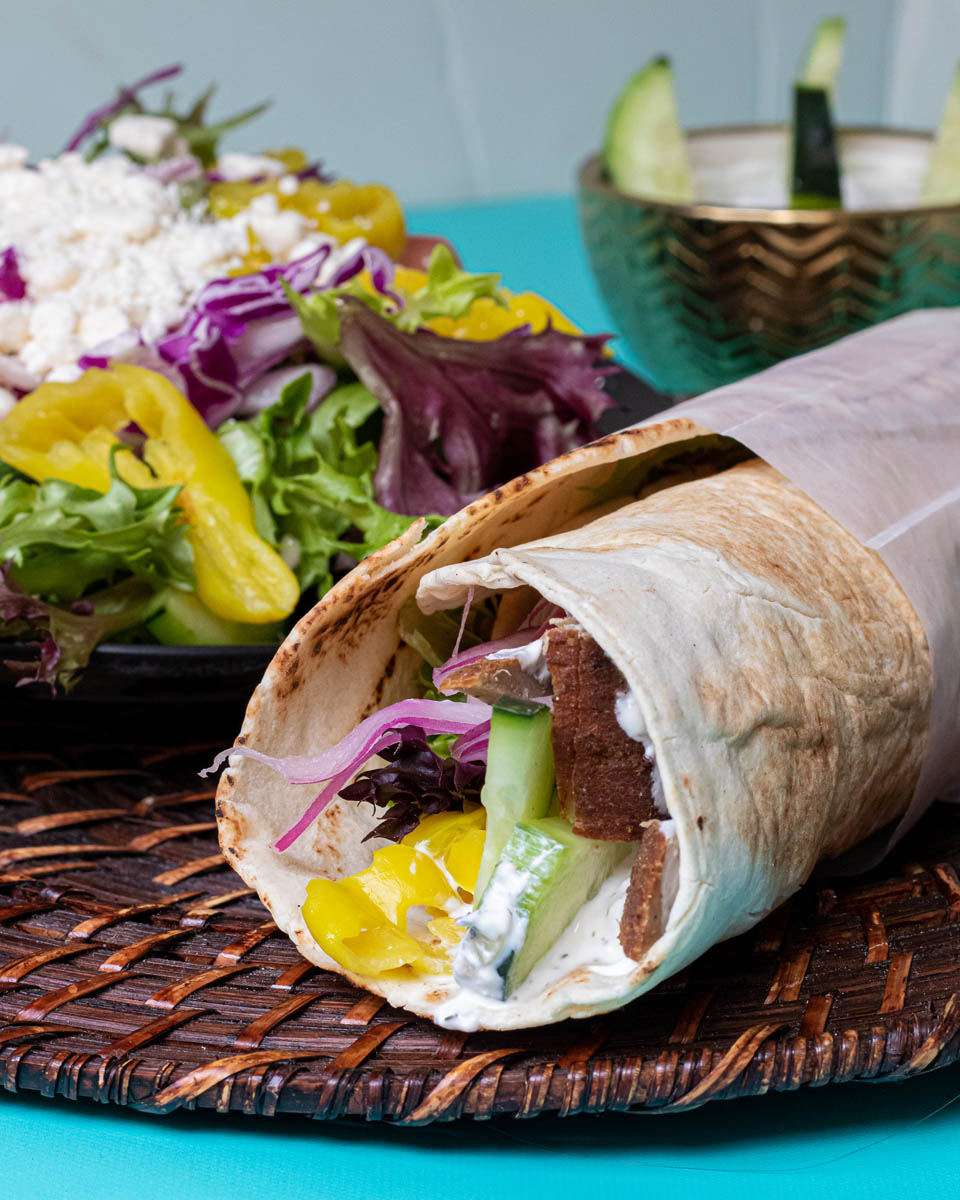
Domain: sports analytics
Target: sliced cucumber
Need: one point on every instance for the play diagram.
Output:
(180, 619)
(645, 149)
(826, 55)
(814, 163)
(815, 171)
(520, 778)
(545, 874)
(941, 184)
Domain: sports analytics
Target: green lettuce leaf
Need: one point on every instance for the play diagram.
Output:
(310, 480)
(66, 637)
(60, 539)
(448, 292)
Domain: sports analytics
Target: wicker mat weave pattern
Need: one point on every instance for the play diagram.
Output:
(134, 969)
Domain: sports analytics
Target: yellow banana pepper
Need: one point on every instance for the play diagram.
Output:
(344, 210)
(486, 319)
(67, 431)
(362, 921)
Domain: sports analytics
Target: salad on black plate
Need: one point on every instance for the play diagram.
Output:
(226, 378)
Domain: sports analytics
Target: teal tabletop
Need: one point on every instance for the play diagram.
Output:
(854, 1140)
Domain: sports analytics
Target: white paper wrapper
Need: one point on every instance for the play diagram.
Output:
(869, 428)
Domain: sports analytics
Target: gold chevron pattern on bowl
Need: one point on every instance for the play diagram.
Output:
(706, 294)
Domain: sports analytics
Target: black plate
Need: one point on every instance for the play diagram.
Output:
(124, 684)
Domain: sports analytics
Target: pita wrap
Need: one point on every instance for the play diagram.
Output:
(782, 674)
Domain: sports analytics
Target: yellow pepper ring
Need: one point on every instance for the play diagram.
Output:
(67, 431)
(344, 210)
(361, 921)
(486, 319)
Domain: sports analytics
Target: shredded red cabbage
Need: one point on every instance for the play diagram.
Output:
(462, 417)
(376, 733)
(126, 95)
(239, 327)
(12, 284)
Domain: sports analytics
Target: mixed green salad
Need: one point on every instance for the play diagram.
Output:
(205, 484)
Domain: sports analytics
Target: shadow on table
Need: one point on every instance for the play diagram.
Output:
(795, 1132)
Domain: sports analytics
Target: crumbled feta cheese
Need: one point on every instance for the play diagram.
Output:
(101, 323)
(143, 135)
(12, 156)
(103, 247)
(7, 401)
(14, 325)
(287, 186)
(64, 374)
(279, 232)
(235, 167)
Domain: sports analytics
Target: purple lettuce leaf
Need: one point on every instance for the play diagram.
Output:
(417, 783)
(12, 284)
(462, 417)
(65, 637)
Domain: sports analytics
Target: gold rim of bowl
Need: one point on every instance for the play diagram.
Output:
(592, 177)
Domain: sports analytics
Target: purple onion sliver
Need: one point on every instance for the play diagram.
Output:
(512, 641)
(472, 747)
(441, 716)
(286, 840)
(175, 170)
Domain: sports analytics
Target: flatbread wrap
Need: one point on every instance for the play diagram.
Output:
(736, 688)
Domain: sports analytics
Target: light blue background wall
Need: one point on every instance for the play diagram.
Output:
(455, 99)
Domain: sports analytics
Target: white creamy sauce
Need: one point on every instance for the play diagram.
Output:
(495, 931)
(591, 941)
(630, 720)
(532, 659)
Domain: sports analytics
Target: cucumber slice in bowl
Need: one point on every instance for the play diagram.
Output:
(825, 55)
(644, 148)
(941, 184)
(545, 874)
(815, 170)
(814, 162)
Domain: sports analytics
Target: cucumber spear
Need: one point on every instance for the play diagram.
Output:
(814, 163)
(941, 185)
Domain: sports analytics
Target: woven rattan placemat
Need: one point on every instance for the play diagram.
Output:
(136, 969)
